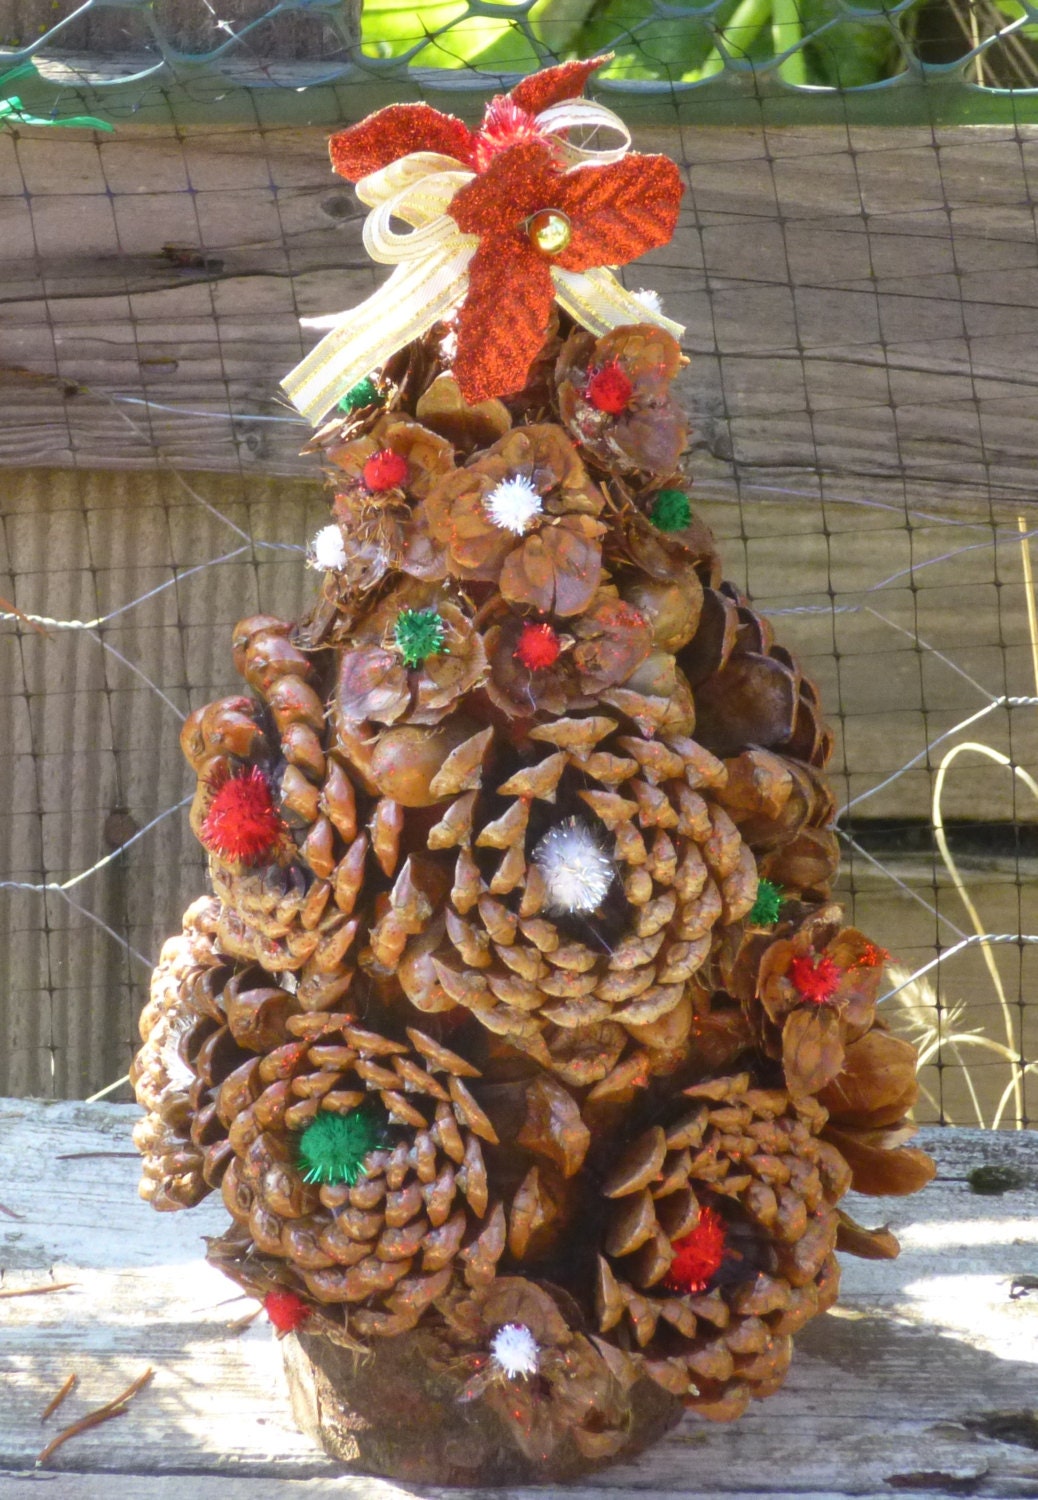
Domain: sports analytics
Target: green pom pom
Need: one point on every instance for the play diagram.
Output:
(364, 393)
(671, 510)
(332, 1148)
(418, 634)
(766, 908)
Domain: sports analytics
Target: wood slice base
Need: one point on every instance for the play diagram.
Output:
(388, 1414)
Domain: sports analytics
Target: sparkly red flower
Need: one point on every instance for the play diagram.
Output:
(615, 213)
(286, 1311)
(611, 214)
(402, 128)
(816, 980)
(385, 470)
(242, 823)
(609, 389)
(538, 647)
(698, 1255)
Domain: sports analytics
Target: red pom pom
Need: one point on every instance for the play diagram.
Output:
(697, 1256)
(385, 471)
(504, 124)
(817, 982)
(538, 647)
(286, 1311)
(609, 389)
(242, 823)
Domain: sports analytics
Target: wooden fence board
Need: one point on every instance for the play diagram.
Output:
(898, 1390)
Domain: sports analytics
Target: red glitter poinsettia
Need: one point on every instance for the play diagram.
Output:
(698, 1255)
(615, 213)
(400, 129)
(242, 823)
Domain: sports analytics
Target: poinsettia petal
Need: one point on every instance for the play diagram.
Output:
(516, 184)
(504, 318)
(552, 85)
(618, 211)
(394, 132)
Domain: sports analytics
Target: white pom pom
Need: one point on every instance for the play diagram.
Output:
(327, 551)
(513, 504)
(514, 1350)
(577, 874)
(650, 300)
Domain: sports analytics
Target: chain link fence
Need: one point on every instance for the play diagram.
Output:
(725, 62)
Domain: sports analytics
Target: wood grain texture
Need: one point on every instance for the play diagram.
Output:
(897, 1391)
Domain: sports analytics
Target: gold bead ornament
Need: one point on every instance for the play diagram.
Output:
(549, 231)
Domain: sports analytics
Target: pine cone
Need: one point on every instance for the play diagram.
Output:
(720, 1243)
(614, 397)
(518, 1345)
(181, 1062)
(662, 863)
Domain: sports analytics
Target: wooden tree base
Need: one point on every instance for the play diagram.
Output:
(388, 1414)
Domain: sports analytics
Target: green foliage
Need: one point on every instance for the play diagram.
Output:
(818, 42)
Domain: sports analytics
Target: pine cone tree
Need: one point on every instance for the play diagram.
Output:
(520, 959)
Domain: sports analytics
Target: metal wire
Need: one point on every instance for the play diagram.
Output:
(726, 61)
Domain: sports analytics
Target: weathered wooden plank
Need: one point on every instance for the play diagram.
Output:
(896, 1391)
(860, 306)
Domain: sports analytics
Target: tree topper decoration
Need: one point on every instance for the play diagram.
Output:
(505, 221)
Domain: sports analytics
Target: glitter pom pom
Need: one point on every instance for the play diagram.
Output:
(286, 1311)
(538, 647)
(364, 393)
(650, 300)
(816, 981)
(242, 823)
(513, 504)
(577, 874)
(609, 389)
(697, 1256)
(505, 124)
(766, 908)
(418, 633)
(671, 510)
(385, 471)
(332, 1148)
(514, 1350)
(327, 551)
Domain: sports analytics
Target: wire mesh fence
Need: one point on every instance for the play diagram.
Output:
(861, 307)
(720, 62)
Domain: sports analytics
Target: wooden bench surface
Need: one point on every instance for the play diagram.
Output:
(924, 1379)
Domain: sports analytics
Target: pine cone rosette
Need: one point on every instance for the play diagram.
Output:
(172, 1074)
(358, 1159)
(614, 397)
(719, 1243)
(524, 514)
(585, 892)
(517, 1345)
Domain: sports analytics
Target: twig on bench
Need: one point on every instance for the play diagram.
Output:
(38, 1291)
(56, 1400)
(114, 1408)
